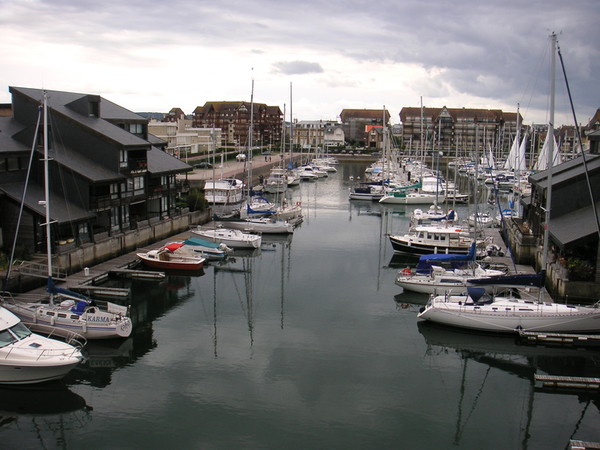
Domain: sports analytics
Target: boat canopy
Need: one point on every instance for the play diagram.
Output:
(174, 246)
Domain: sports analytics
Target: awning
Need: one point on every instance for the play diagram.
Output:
(576, 225)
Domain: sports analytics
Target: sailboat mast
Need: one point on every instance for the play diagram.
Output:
(47, 185)
(550, 154)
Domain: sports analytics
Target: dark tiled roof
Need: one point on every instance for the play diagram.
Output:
(161, 162)
(8, 128)
(61, 211)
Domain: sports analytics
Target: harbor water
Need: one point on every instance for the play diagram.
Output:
(305, 343)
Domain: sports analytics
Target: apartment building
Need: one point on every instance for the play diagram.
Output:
(107, 172)
(457, 130)
(233, 118)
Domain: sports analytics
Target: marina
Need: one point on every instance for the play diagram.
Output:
(305, 342)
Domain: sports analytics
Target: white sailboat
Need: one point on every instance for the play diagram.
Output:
(512, 313)
(65, 309)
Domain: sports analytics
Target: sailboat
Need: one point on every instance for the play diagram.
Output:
(515, 312)
(65, 309)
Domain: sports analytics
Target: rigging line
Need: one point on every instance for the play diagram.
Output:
(14, 246)
(577, 130)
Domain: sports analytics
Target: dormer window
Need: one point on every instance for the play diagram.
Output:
(136, 128)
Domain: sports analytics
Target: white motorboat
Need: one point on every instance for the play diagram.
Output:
(172, 256)
(481, 220)
(276, 182)
(230, 237)
(437, 238)
(63, 308)
(363, 191)
(226, 191)
(27, 358)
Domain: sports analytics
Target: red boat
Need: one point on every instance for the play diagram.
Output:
(170, 257)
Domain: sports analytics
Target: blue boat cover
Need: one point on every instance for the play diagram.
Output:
(202, 242)
(510, 280)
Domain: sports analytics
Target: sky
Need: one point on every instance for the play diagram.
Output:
(312, 57)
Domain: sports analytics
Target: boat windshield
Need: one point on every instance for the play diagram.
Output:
(14, 334)
(6, 338)
(20, 330)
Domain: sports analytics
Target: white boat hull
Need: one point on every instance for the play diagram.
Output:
(507, 316)
(230, 237)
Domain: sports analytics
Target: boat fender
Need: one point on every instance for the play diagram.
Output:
(298, 203)
(406, 271)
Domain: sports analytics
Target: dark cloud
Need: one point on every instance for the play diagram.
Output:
(297, 67)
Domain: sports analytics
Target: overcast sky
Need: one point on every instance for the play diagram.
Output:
(153, 56)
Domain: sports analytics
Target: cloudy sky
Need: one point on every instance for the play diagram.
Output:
(153, 56)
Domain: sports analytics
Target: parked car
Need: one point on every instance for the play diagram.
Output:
(203, 165)
(241, 157)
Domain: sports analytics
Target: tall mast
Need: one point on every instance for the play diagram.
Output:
(47, 185)
(550, 154)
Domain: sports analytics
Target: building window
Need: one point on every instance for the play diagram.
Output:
(114, 219)
(123, 158)
(125, 215)
(114, 191)
(136, 128)
(138, 185)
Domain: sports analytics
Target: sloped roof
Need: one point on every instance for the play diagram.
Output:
(59, 102)
(60, 211)
(161, 162)
(366, 114)
(8, 128)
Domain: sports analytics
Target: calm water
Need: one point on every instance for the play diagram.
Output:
(307, 343)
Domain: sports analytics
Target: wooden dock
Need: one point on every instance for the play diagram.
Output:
(583, 445)
(587, 340)
(561, 382)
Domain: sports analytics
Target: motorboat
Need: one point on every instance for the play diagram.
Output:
(276, 182)
(28, 358)
(229, 236)
(508, 314)
(481, 220)
(226, 191)
(435, 238)
(366, 191)
(172, 257)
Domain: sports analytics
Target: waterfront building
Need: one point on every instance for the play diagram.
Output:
(458, 131)
(233, 118)
(355, 123)
(183, 140)
(574, 255)
(108, 174)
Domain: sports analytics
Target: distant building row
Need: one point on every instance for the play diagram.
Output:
(452, 130)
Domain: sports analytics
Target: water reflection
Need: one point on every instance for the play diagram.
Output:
(508, 355)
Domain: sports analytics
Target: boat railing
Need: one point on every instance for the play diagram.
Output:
(70, 337)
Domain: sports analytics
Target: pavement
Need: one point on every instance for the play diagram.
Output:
(261, 165)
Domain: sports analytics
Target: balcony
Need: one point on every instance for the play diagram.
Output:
(135, 166)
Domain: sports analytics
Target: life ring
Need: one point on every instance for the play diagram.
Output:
(298, 203)
(406, 271)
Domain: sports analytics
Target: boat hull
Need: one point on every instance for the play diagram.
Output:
(419, 248)
(172, 264)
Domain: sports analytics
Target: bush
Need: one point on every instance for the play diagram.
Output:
(579, 270)
(195, 200)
